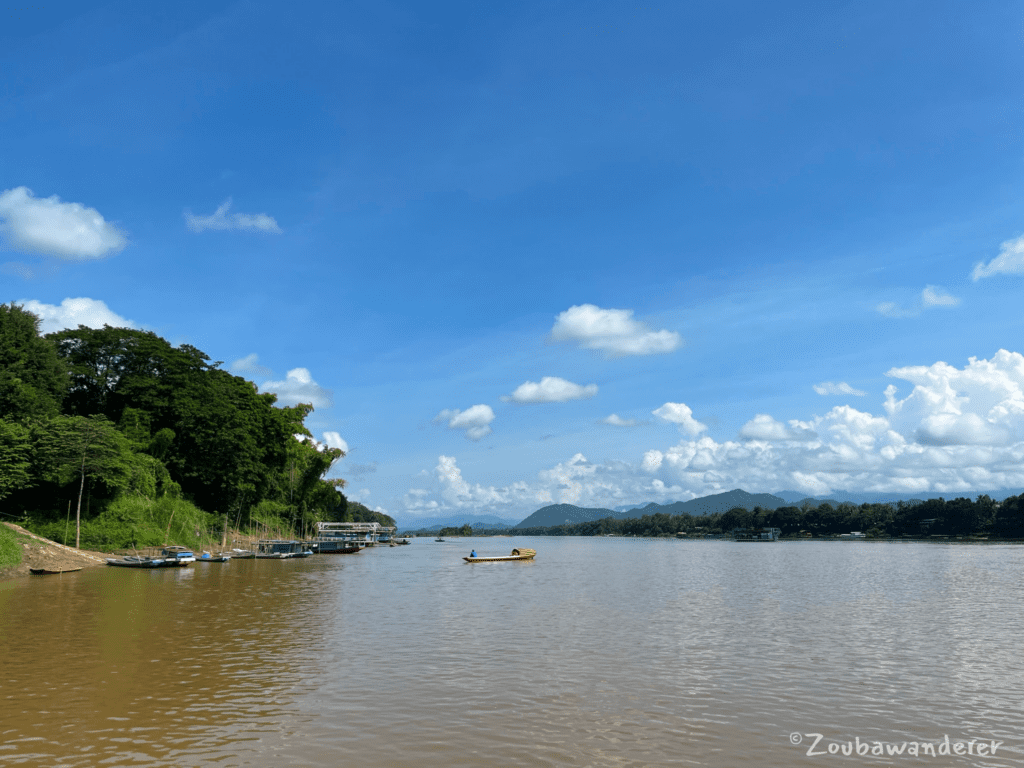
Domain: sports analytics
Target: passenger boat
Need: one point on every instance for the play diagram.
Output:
(338, 547)
(48, 571)
(180, 555)
(346, 538)
(282, 549)
(517, 554)
(242, 554)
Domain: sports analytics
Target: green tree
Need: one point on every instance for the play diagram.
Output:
(33, 378)
(15, 458)
(80, 448)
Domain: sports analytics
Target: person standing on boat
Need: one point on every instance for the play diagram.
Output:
(473, 553)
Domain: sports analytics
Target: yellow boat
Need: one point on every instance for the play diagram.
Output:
(517, 554)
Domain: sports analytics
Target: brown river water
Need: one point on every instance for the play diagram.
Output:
(602, 652)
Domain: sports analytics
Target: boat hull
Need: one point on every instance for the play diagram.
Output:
(141, 562)
(517, 554)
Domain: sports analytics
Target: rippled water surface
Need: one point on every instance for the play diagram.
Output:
(602, 652)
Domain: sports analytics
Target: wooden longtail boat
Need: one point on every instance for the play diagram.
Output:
(48, 571)
(220, 557)
(139, 562)
(517, 554)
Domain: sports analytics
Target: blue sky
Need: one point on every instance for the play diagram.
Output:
(472, 233)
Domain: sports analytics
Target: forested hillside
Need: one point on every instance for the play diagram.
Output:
(933, 517)
(141, 440)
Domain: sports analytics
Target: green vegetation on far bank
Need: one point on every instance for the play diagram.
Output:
(114, 438)
(934, 517)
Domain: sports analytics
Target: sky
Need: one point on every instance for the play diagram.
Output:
(517, 254)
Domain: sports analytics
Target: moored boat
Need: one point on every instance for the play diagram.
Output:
(133, 561)
(219, 557)
(517, 554)
(178, 555)
(49, 571)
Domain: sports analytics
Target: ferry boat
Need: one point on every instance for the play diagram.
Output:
(278, 549)
(349, 538)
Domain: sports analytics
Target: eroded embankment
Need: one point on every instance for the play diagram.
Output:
(38, 552)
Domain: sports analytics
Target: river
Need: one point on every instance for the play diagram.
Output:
(601, 652)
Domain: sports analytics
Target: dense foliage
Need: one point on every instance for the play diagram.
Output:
(934, 517)
(147, 442)
(465, 530)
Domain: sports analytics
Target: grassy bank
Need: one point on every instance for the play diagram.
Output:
(10, 549)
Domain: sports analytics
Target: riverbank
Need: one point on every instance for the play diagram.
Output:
(37, 552)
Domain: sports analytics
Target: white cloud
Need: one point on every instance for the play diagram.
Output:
(934, 296)
(250, 364)
(764, 427)
(680, 414)
(475, 420)
(1010, 261)
(931, 296)
(299, 387)
(617, 421)
(48, 226)
(613, 331)
(892, 309)
(958, 431)
(72, 313)
(842, 388)
(550, 389)
(220, 219)
(333, 440)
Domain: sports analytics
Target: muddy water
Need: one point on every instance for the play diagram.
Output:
(602, 652)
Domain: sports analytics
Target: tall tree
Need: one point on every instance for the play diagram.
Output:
(33, 378)
(15, 458)
(80, 447)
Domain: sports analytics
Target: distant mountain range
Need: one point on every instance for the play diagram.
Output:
(569, 514)
(563, 514)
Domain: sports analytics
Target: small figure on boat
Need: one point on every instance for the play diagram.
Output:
(473, 553)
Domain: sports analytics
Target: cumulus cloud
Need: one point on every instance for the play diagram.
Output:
(842, 388)
(617, 421)
(475, 420)
(48, 226)
(612, 331)
(333, 440)
(1010, 261)
(764, 427)
(220, 219)
(72, 313)
(249, 365)
(681, 415)
(550, 389)
(931, 296)
(299, 387)
(957, 431)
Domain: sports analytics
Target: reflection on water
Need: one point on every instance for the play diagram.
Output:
(601, 652)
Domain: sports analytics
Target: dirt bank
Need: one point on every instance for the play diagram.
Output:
(38, 552)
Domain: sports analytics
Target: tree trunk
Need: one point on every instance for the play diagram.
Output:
(78, 510)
